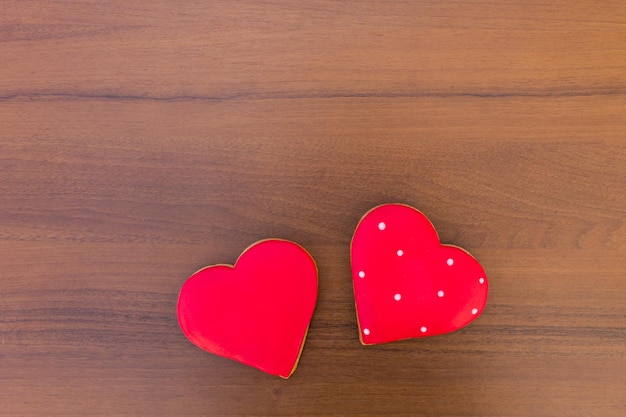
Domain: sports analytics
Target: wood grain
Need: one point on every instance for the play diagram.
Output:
(140, 141)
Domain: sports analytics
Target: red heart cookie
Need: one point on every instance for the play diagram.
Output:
(256, 312)
(406, 283)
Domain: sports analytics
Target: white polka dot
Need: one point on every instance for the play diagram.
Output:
(400, 252)
(361, 274)
(440, 294)
(481, 280)
(450, 261)
(423, 329)
(474, 310)
(397, 297)
(382, 226)
(366, 332)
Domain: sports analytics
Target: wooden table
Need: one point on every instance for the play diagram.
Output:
(140, 141)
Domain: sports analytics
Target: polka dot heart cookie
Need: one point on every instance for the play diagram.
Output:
(256, 312)
(406, 283)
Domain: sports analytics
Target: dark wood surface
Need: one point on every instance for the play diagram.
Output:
(140, 141)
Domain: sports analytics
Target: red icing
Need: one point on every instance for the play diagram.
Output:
(257, 312)
(416, 294)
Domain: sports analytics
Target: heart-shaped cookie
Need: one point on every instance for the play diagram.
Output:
(406, 283)
(256, 312)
